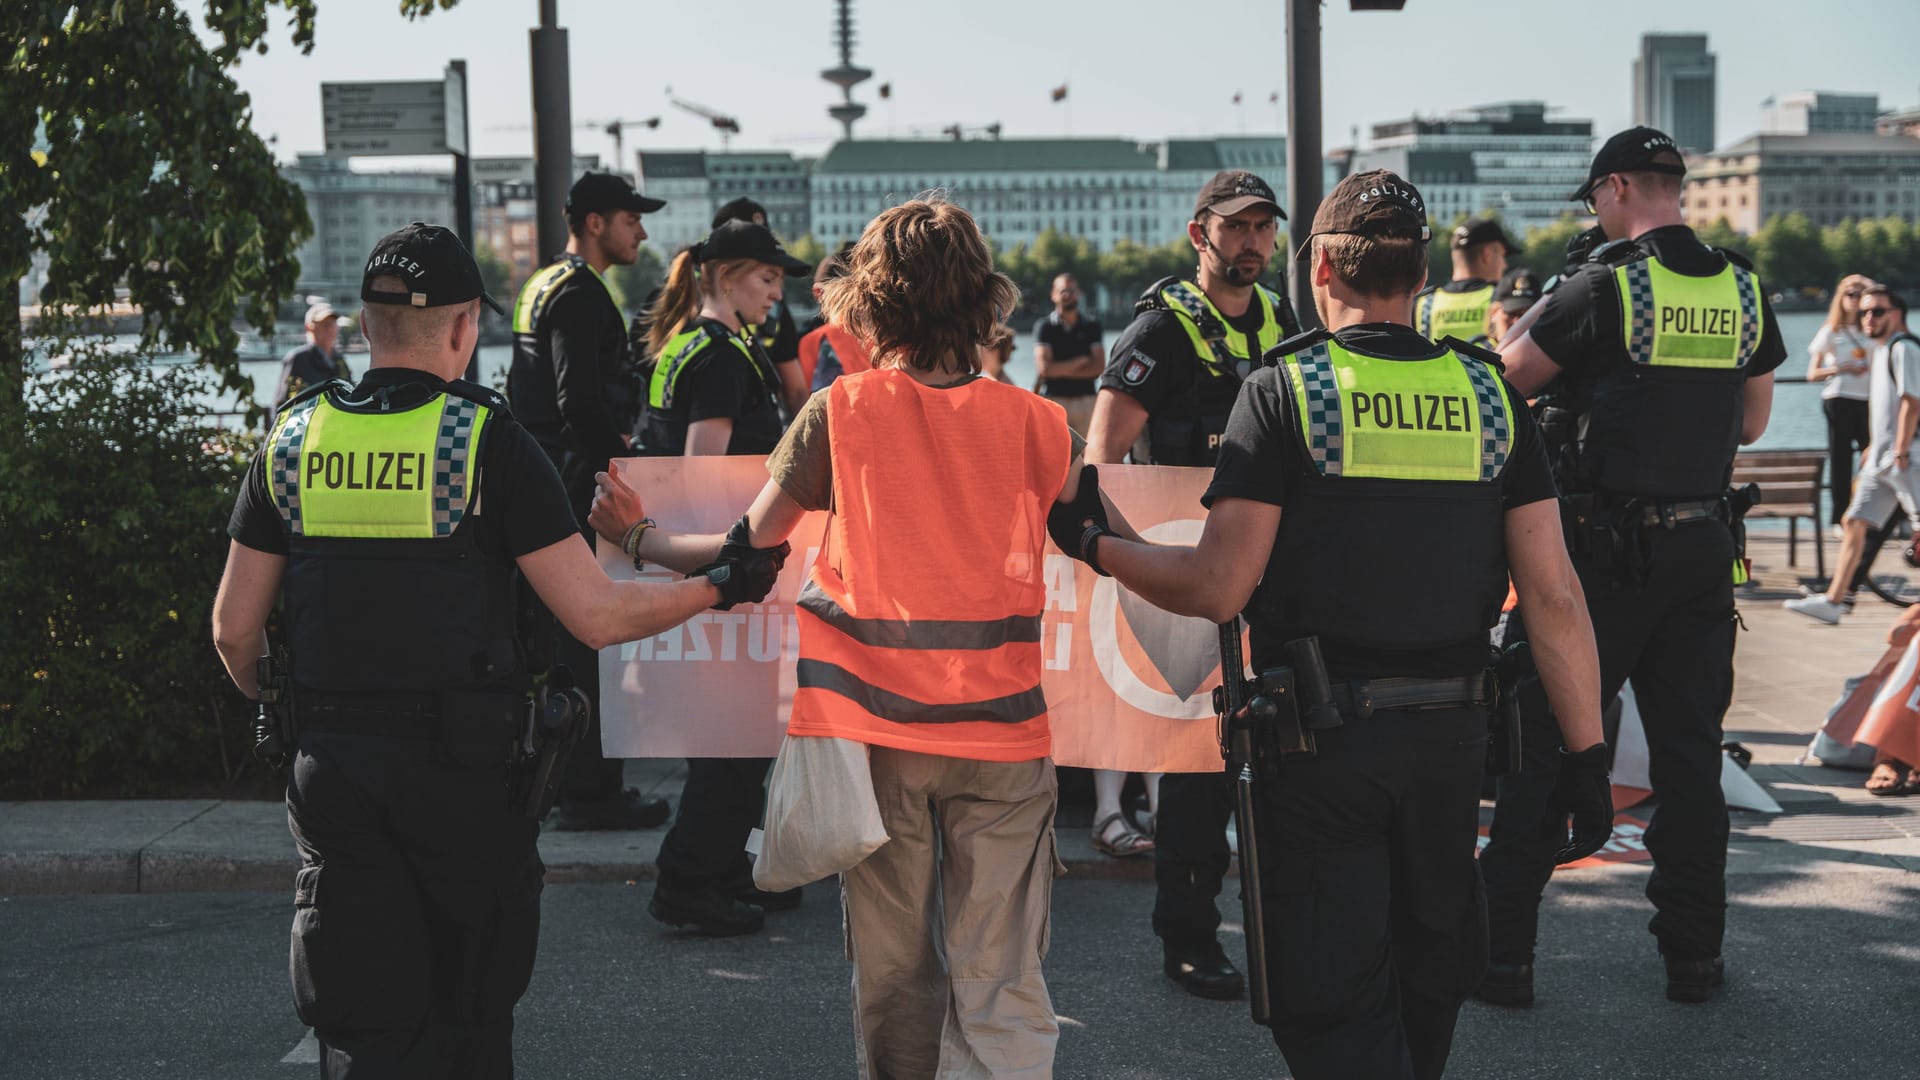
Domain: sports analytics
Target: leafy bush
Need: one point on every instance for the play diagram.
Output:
(112, 539)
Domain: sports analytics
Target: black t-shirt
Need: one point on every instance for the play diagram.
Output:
(1068, 343)
(1579, 323)
(518, 506)
(580, 393)
(719, 382)
(307, 366)
(1260, 459)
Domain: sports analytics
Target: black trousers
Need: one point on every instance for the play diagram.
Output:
(1673, 638)
(1847, 434)
(721, 803)
(416, 909)
(1375, 917)
(1190, 856)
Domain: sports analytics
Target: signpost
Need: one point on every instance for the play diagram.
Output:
(407, 119)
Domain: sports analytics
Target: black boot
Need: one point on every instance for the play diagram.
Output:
(786, 900)
(1694, 981)
(1507, 984)
(1204, 972)
(708, 910)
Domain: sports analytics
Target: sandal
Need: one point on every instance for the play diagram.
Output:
(1895, 779)
(1127, 843)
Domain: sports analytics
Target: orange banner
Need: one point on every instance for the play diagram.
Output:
(1128, 686)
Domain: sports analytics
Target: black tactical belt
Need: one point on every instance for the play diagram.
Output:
(1669, 514)
(1364, 697)
(397, 716)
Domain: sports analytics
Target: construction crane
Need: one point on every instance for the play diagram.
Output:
(617, 129)
(726, 125)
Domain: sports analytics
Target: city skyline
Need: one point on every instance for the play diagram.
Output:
(781, 101)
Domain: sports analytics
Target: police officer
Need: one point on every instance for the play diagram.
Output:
(776, 334)
(1518, 291)
(1174, 374)
(417, 901)
(1459, 308)
(575, 387)
(1350, 442)
(1666, 349)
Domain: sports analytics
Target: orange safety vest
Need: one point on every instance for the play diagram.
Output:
(920, 619)
(853, 355)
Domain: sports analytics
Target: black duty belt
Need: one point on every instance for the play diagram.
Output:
(1669, 514)
(1364, 697)
(408, 715)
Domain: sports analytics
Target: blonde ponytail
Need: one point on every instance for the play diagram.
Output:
(679, 301)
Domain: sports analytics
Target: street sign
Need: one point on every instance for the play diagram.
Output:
(390, 118)
(456, 111)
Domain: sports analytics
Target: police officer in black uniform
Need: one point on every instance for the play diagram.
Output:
(1347, 444)
(1174, 374)
(1666, 349)
(393, 513)
(776, 334)
(1459, 308)
(576, 388)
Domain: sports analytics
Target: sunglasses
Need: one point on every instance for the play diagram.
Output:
(1870, 312)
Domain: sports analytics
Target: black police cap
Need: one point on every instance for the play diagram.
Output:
(1637, 149)
(1476, 231)
(601, 193)
(1378, 203)
(745, 240)
(437, 267)
(1233, 190)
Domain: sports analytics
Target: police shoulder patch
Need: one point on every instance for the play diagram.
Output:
(1137, 366)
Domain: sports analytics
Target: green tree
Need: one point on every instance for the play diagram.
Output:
(799, 292)
(1790, 254)
(497, 273)
(1544, 251)
(1719, 233)
(631, 285)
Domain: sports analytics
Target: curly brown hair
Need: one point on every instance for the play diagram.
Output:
(920, 288)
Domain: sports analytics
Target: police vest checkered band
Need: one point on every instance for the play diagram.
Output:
(1750, 324)
(1212, 329)
(1323, 423)
(452, 475)
(1423, 314)
(1495, 438)
(283, 467)
(1639, 275)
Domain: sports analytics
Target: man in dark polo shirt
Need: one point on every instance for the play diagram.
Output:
(1068, 355)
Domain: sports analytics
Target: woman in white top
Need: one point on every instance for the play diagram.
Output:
(1839, 357)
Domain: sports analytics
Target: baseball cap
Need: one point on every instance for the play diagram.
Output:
(437, 267)
(1377, 203)
(745, 240)
(1476, 231)
(1517, 291)
(1637, 149)
(598, 193)
(740, 209)
(1234, 190)
(320, 312)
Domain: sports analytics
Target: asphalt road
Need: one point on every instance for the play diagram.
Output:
(1823, 962)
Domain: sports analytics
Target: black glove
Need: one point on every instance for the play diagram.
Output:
(744, 574)
(1075, 525)
(1585, 792)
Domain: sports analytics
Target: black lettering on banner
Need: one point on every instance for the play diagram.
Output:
(386, 466)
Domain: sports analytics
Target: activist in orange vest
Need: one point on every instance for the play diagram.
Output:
(920, 637)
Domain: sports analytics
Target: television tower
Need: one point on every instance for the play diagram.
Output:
(846, 76)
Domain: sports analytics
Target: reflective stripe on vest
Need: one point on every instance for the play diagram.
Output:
(675, 355)
(1194, 310)
(532, 302)
(1463, 315)
(388, 475)
(1363, 417)
(912, 633)
(1676, 320)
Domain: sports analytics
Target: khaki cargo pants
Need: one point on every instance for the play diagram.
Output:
(947, 923)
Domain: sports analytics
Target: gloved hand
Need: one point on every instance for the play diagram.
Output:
(1075, 525)
(1584, 792)
(744, 574)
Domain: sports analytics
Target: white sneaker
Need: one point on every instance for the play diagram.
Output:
(1808, 590)
(1816, 607)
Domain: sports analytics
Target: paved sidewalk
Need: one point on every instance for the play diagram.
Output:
(1789, 670)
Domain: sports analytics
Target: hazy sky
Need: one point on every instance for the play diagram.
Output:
(1135, 69)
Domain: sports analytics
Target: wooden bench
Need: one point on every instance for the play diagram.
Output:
(1790, 482)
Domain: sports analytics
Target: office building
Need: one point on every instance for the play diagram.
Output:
(1509, 159)
(1819, 112)
(696, 183)
(1673, 88)
(1828, 177)
(351, 211)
